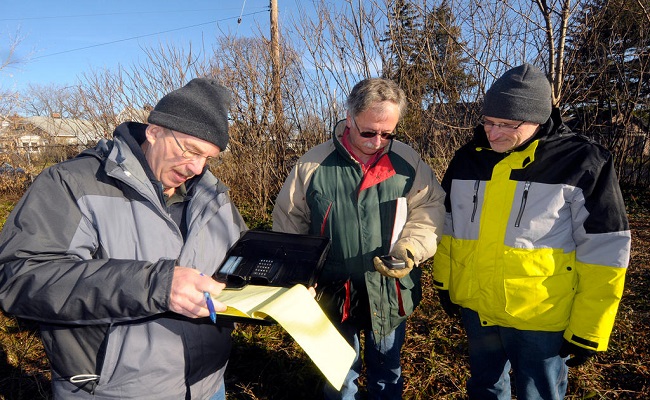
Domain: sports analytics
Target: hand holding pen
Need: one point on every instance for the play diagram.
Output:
(192, 294)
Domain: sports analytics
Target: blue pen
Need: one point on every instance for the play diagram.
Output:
(208, 302)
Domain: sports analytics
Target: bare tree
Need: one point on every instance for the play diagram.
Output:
(9, 58)
(556, 15)
(127, 94)
(8, 98)
(259, 154)
(49, 100)
(445, 62)
(608, 90)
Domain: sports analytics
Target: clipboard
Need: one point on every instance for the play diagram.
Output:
(267, 274)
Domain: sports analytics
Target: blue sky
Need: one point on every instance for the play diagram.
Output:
(62, 39)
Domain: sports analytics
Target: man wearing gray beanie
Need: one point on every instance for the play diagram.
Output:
(535, 245)
(199, 109)
(112, 253)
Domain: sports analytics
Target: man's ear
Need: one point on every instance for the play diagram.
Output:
(153, 132)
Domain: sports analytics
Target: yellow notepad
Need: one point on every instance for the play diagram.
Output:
(300, 315)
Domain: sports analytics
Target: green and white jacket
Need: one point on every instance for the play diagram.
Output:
(327, 193)
(536, 238)
(89, 252)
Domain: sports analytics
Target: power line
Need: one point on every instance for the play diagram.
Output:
(113, 14)
(146, 35)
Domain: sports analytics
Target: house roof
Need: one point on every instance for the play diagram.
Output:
(81, 129)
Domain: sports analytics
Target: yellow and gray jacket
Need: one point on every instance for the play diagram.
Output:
(328, 194)
(536, 238)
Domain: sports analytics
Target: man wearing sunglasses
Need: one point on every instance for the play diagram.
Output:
(373, 196)
(112, 252)
(535, 246)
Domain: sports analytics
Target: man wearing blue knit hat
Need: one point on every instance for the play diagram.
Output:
(535, 245)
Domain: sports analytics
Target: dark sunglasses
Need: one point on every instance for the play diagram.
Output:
(372, 134)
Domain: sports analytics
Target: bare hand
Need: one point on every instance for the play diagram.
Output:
(187, 298)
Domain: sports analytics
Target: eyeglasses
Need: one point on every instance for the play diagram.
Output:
(507, 127)
(189, 154)
(372, 134)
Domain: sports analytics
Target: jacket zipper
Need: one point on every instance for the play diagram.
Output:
(475, 198)
(524, 197)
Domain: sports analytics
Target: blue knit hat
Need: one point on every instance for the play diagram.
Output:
(198, 109)
(521, 94)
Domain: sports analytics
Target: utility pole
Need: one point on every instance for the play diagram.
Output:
(275, 67)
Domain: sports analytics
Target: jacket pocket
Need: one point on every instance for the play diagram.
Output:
(110, 353)
(463, 282)
(331, 298)
(408, 293)
(320, 208)
(539, 286)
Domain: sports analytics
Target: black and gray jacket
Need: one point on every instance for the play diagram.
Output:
(89, 253)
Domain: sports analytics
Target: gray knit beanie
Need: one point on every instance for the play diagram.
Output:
(521, 94)
(198, 109)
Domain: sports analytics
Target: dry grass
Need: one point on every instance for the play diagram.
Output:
(24, 370)
(267, 364)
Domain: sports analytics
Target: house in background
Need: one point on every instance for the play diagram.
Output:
(34, 134)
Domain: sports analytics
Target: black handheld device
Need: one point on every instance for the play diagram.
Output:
(267, 258)
(392, 262)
